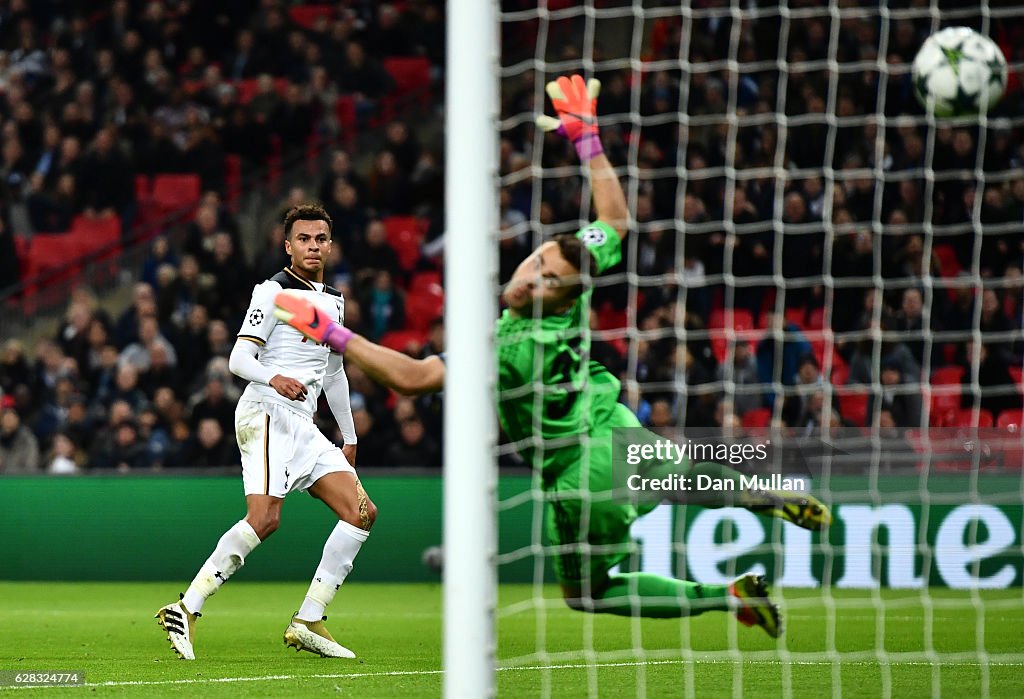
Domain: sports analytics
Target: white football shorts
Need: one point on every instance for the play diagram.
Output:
(282, 450)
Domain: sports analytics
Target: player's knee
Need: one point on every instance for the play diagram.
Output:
(265, 523)
(370, 516)
(362, 514)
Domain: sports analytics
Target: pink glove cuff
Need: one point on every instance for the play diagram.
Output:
(337, 337)
(588, 147)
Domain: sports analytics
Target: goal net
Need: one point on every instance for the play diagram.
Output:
(816, 264)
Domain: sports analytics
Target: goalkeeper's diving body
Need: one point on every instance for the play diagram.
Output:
(544, 327)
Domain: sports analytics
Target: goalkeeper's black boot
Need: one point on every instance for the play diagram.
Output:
(753, 608)
(801, 509)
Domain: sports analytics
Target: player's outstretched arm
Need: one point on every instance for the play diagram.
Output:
(385, 366)
(408, 376)
(575, 102)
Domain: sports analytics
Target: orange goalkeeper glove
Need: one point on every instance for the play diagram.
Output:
(300, 313)
(576, 105)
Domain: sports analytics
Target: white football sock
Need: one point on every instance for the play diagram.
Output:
(339, 552)
(228, 557)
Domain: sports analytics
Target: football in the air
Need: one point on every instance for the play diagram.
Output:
(959, 72)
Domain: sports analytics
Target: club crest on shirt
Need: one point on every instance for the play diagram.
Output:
(593, 236)
(256, 317)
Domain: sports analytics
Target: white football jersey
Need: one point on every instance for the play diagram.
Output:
(284, 350)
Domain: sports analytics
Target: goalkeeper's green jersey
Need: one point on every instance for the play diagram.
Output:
(548, 388)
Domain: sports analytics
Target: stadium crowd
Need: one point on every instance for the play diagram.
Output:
(91, 99)
(752, 251)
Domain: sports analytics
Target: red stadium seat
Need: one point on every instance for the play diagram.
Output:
(94, 234)
(345, 113)
(54, 258)
(407, 341)
(143, 187)
(944, 398)
(741, 319)
(412, 78)
(816, 319)
(949, 265)
(306, 16)
(853, 406)
(1011, 420)
(423, 308)
(824, 350)
(405, 235)
(608, 318)
(840, 374)
(246, 90)
(967, 417)
(758, 417)
(1018, 377)
(796, 316)
(174, 193)
(232, 180)
(948, 375)
(425, 281)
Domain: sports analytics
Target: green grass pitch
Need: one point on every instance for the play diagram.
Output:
(108, 631)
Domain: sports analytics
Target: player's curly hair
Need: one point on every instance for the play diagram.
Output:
(306, 212)
(576, 254)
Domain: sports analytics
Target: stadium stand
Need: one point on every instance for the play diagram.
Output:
(192, 116)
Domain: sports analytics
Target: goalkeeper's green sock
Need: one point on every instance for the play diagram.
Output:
(649, 595)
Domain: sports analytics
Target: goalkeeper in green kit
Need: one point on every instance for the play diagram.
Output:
(549, 388)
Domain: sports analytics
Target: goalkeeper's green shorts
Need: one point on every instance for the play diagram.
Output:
(588, 529)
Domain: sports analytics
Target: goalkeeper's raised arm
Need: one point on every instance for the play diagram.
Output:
(575, 102)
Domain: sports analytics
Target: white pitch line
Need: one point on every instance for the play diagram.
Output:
(513, 668)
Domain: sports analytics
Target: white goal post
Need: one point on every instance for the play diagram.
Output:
(470, 467)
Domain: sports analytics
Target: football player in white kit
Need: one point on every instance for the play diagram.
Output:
(282, 449)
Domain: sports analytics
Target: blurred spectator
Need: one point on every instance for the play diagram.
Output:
(892, 353)
(231, 278)
(126, 389)
(901, 401)
(373, 440)
(798, 407)
(785, 364)
(383, 306)
(64, 457)
(143, 305)
(121, 448)
(374, 254)
(10, 273)
(363, 78)
(160, 254)
(173, 87)
(19, 450)
(109, 175)
(388, 186)
(743, 374)
(161, 370)
(910, 319)
(414, 446)
(213, 402)
(14, 366)
(137, 354)
(996, 389)
(211, 446)
(219, 339)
